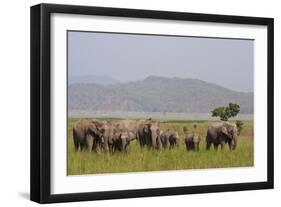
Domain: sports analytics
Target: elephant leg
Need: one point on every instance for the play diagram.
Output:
(159, 144)
(127, 147)
(148, 141)
(171, 145)
(222, 145)
(110, 148)
(174, 144)
(119, 145)
(208, 145)
(140, 141)
(230, 145)
(76, 145)
(189, 146)
(168, 145)
(216, 147)
(82, 146)
(75, 140)
(95, 146)
(106, 145)
(193, 146)
(99, 147)
(113, 147)
(90, 142)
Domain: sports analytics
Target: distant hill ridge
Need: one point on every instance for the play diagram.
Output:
(156, 94)
(97, 79)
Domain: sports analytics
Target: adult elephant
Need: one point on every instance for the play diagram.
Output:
(127, 125)
(142, 132)
(149, 134)
(112, 132)
(220, 134)
(87, 134)
(108, 134)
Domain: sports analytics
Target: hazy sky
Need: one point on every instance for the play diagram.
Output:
(129, 57)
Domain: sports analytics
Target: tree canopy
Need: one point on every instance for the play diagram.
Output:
(226, 112)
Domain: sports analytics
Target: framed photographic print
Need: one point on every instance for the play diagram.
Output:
(133, 103)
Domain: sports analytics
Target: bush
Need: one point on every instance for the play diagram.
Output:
(239, 125)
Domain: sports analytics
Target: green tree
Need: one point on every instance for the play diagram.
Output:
(226, 112)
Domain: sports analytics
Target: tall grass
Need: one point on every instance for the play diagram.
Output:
(141, 159)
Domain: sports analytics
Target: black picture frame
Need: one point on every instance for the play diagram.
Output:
(41, 99)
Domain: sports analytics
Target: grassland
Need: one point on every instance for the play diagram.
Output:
(137, 159)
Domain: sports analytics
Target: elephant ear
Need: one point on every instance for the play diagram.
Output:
(224, 130)
(158, 132)
(97, 125)
(146, 128)
(198, 137)
(117, 133)
(92, 129)
(232, 131)
(132, 136)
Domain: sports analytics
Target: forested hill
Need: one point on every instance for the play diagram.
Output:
(155, 94)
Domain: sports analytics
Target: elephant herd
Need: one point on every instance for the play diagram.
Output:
(116, 135)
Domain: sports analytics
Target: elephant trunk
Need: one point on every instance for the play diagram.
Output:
(124, 145)
(159, 144)
(196, 147)
(154, 139)
(234, 143)
(105, 142)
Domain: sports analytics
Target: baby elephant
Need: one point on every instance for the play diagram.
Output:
(169, 139)
(122, 141)
(164, 138)
(192, 140)
(174, 139)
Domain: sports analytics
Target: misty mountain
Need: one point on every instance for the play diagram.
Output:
(156, 94)
(97, 79)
